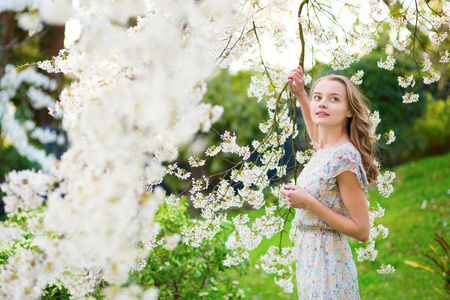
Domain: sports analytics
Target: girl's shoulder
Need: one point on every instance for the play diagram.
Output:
(344, 153)
(346, 157)
(345, 150)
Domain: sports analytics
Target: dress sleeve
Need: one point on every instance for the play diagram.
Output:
(346, 159)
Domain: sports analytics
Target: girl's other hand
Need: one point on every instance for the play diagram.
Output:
(296, 197)
(296, 81)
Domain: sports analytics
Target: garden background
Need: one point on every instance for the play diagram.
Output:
(416, 211)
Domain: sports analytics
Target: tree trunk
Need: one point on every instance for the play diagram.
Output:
(7, 28)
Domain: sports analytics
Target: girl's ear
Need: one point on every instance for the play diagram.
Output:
(349, 114)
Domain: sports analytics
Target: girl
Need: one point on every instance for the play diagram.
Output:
(329, 197)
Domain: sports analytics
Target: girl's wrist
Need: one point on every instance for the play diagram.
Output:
(301, 96)
(311, 202)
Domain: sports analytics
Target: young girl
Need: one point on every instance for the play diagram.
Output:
(329, 198)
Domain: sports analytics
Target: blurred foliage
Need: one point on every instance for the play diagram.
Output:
(242, 114)
(433, 127)
(55, 292)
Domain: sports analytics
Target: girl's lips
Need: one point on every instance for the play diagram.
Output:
(322, 114)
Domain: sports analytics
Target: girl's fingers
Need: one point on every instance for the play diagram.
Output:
(297, 78)
(289, 187)
(295, 72)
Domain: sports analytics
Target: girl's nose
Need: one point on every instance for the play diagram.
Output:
(322, 103)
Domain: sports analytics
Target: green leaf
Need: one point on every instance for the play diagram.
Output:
(419, 265)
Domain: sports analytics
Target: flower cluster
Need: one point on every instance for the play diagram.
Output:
(229, 145)
(426, 65)
(303, 157)
(278, 261)
(444, 57)
(367, 253)
(25, 190)
(410, 97)
(430, 78)
(384, 183)
(139, 265)
(387, 64)
(437, 38)
(390, 137)
(374, 119)
(194, 235)
(357, 77)
(194, 161)
(406, 81)
(175, 170)
(386, 269)
(439, 20)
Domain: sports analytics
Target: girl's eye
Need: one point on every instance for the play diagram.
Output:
(334, 99)
(316, 98)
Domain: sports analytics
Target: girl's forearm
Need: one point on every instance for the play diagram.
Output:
(306, 113)
(337, 221)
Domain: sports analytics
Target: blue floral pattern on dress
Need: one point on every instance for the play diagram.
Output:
(325, 267)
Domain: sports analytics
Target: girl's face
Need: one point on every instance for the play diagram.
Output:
(329, 104)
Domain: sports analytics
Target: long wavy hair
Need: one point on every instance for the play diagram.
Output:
(358, 127)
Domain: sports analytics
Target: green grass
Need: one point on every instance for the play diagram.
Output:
(411, 225)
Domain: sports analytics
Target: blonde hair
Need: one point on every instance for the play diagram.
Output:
(358, 127)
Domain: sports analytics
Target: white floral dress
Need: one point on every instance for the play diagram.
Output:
(324, 264)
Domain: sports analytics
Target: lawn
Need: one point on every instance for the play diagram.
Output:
(417, 209)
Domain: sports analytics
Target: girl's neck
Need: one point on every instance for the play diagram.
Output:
(330, 136)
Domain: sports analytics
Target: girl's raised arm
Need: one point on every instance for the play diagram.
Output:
(296, 83)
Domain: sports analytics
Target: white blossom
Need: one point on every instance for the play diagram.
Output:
(29, 22)
(357, 77)
(386, 269)
(374, 119)
(390, 137)
(307, 79)
(437, 38)
(430, 78)
(172, 200)
(406, 81)
(387, 64)
(367, 253)
(438, 21)
(25, 190)
(410, 97)
(426, 65)
(285, 284)
(384, 183)
(44, 135)
(400, 45)
(444, 57)
(139, 265)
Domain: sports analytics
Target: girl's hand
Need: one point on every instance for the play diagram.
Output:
(297, 197)
(296, 81)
